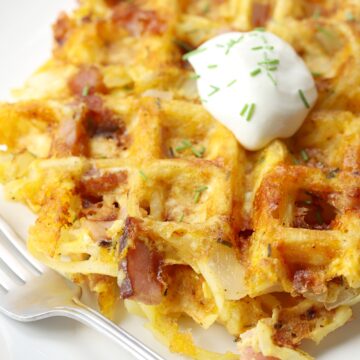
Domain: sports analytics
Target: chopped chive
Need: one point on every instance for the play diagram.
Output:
(317, 14)
(273, 68)
(198, 153)
(85, 90)
(304, 155)
(251, 112)
(224, 242)
(183, 45)
(255, 72)
(142, 174)
(261, 29)
(194, 77)
(319, 217)
(269, 250)
(206, 8)
(220, 45)
(295, 160)
(303, 98)
(231, 83)
(349, 16)
(198, 193)
(232, 43)
(186, 144)
(215, 90)
(213, 66)
(316, 74)
(192, 53)
(263, 38)
(270, 62)
(271, 78)
(182, 217)
(244, 110)
(257, 48)
(324, 31)
(171, 152)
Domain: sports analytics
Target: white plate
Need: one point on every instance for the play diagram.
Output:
(25, 42)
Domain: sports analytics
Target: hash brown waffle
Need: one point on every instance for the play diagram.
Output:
(142, 195)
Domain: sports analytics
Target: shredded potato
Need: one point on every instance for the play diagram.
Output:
(143, 196)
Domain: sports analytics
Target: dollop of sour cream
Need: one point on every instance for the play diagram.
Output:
(255, 84)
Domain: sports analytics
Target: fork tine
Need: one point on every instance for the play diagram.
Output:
(14, 239)
(5, 280)
(14, 262)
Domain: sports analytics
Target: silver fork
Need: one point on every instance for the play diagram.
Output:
(30, 292)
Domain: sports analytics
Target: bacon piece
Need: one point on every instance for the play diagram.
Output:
(260, 14)
(136, 20)
(140, 275)
(102, 121)
(88, 78)
(309, 280)
(96, 186)
(112, 3)
(249, 354)
(61, 28)
(92, 119)
(71, 138)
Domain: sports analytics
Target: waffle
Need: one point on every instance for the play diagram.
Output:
(141, 195)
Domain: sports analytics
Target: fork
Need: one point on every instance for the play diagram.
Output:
(29, 292)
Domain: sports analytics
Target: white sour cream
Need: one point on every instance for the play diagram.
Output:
(255, 84)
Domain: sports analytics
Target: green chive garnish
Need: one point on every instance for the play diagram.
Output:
(244, 110)
(85, 90)
(182, 217)
(295, 160)
(304, 155)
(349, 16)
(232, 43)
(251, 112)
(198, 152)
(270, 62)
(261, 29)
(215, 90)
(325, 31)
(198, 193)
(213, 66)
(206, 8)
(271, 78)
(142, 174)
(255, 72)
(303, 98)
(231, 83)
(192, 53)
(257, 48)
(317, 14)
(194, 77)
(316, 74)
(185, 144)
